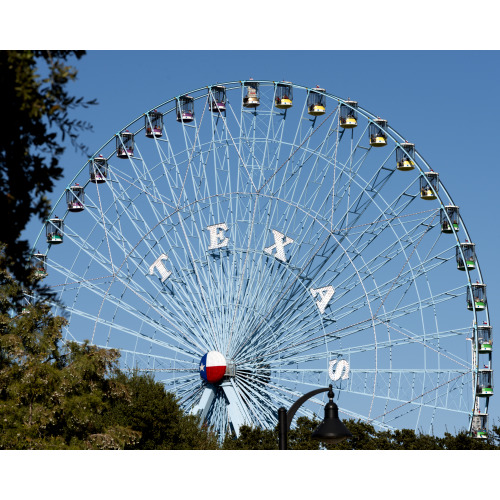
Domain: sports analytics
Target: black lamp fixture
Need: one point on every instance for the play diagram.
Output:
(330, 431)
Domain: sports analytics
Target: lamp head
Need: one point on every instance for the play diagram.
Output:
(331, 430)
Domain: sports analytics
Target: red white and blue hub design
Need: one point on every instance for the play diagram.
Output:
(212, 367)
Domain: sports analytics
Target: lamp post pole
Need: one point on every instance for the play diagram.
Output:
(331, 430)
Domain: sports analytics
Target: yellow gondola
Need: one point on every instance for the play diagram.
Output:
(283, 98)
(348, 116)
(405, 155)
(316, 101)
(429, 185)
(378, 133)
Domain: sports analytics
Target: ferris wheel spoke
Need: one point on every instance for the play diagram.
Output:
(176, 333)
(419, 389)
(267, 149)
(124, 279)
(368, 191)
(179, 380)
(382, 290)
(384, 258)
(309, 164)
(88, 249)
(257, 403)
(183, 347)
(197, 148)
(406, 337)
(294, 351)
(128, 211)
(238, 146)
(171, 163)
(112, 236)
(201, 289)
(186, 389)
(149, 361)
(402, 387)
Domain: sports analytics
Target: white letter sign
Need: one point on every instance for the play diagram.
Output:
(343, 366)
(217, 239)
(325, 293)
(279, 244)
(158, 264)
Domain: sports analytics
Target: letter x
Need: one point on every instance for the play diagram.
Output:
(279, 245)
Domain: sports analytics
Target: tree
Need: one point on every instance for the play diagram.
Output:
(157, 417)
(252, 438)
(36, 121)
(52, 397)
(364, 437)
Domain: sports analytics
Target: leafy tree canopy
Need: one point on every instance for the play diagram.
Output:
(365, 437)
(36, 117)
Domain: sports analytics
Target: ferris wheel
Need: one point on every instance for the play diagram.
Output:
(250, 241)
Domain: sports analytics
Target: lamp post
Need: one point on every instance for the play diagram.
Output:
(330, 431)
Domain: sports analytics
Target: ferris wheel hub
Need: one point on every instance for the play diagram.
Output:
(213, 367)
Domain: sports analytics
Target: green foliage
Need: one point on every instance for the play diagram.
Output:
(36, 119)
(157, 417)
(364, 437)
(252, 438)
(300, 438)
(52, 398)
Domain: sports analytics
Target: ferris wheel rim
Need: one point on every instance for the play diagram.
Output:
(367, 115)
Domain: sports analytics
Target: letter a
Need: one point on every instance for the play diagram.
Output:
(279, 244)
(325, 293)
(217, 239)
(158, 264)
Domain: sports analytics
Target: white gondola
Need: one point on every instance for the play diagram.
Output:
(405, 156)
(485, 338)
(98, 170)
(26, 303)
(125, 144)
(283, 95)
(429, 185)
(316, 101)
(75, 198)
(476, 297)
(469, 256)
(54, 230)
(251, 97)
(479, 427)
(153, 123)
(484, 386)
(185, 109)
(217, 99)
(450, 213)
(348, 116)
(378, 132)
(39, 264)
